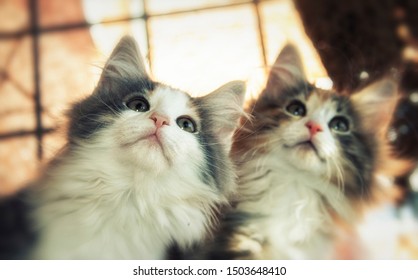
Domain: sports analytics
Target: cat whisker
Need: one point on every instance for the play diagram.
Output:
(339, 174)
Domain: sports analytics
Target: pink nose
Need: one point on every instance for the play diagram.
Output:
(159, 120)
(313, 127)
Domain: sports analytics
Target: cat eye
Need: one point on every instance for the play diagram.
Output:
(138, 104)
(296, 108)
(187, 124)
(339, 124)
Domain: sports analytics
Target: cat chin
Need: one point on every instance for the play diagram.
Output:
(149, 156)
(304, 157)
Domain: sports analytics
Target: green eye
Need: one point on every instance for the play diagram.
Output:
(187, 124)
(138, 104)
(296, 108)
(339, 124)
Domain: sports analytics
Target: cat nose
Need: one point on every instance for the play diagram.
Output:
(159, 120)
(313, 127)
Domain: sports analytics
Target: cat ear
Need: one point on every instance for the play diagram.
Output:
(287, 71)
(376, 104)
(224, 107)
(125, 61)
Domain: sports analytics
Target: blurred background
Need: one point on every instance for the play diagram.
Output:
(51, 52)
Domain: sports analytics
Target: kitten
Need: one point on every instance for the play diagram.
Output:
(303, 159)
(146, 167)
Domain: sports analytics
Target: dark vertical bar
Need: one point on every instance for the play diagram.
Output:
(260, 31)
(36, 75)
(147, 31)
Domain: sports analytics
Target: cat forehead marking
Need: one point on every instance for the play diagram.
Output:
(321, 106)
(170, 101)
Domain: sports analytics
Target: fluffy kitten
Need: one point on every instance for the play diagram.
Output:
(302, 160)
(146, 167)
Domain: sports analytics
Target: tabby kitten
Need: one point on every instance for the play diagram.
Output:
(302, 160)
(146, 167)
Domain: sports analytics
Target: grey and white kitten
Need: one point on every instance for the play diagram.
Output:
(305, 157)
(146, 167)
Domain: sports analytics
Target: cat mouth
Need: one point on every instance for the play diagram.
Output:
(308, 146)
(153, 138)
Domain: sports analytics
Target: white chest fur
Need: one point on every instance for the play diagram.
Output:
(85, 213)
(292, 208)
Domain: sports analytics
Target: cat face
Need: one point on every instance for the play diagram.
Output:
(318, 131)
(315, 129)
(162, 124)
(154, 127)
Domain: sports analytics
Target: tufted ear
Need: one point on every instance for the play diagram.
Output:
(376, 104)
(224, 107)
(125, 61)
(287, 71)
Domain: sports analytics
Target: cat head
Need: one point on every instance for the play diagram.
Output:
(318, 131)
(154, 127)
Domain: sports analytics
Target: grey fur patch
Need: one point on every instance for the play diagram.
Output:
(218, 165)
(17, 235)
(220, 248)
(92, 114)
